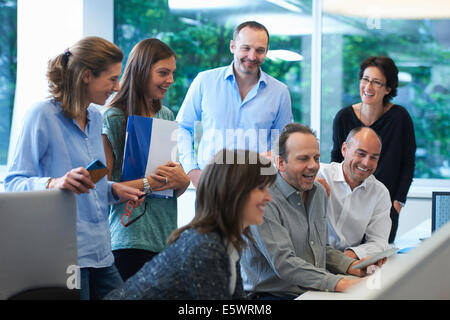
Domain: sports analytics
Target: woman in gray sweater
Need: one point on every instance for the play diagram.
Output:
(202, 259)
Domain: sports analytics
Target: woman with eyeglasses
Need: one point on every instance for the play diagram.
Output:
(202, 259)
(378, 85)
(148, 75)
(60, 137)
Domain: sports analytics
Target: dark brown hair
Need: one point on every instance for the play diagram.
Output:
(387, 66)
(253, 25)
(133, 84)
(289, 129)
(65, 71)
(224, 187)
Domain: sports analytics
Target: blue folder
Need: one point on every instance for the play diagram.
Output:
(138, 148)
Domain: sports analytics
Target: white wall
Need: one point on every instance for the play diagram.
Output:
(46, 28)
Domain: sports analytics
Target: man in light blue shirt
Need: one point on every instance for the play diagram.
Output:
(239, 105)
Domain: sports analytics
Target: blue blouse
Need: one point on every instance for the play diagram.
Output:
(50, 145)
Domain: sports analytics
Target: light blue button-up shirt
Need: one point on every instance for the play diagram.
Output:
(228, 121)
(52, 144)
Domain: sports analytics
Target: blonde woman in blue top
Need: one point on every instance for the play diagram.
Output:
(60, 137)
(147, 76)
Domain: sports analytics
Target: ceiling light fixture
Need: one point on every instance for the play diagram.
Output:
(389, 9)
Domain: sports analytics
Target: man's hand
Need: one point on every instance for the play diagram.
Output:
(323, 182)
(350, 253)
(77, 180)
(343, 284)
(365, 271)
(194, 175)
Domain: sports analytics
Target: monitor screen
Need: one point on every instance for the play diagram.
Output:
(38, 240)
(419, 274)
(440, 209)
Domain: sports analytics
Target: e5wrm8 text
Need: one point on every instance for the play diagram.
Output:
(226, 309)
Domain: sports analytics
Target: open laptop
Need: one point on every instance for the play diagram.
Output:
(440, 209)
(38, 241)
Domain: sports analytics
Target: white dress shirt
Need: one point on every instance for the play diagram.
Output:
(353, 214)
(233, 255)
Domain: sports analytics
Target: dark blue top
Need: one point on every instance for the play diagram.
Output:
(397, 160)
(196, 266)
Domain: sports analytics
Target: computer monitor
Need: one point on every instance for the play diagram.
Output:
(419, 274)
(38, 241)
(440, 209)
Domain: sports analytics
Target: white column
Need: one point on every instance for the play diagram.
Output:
(98, 18)
(46, 28)
(316, 66)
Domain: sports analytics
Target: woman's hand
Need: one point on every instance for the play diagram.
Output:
(172, 176)
(194, 175)
(126, 193)
(397, 206)
(77, 180)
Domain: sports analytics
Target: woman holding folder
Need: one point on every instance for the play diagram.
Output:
(60, 137)
(147, 76)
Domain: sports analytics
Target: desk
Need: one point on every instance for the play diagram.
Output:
(321, 295)
(409, 239)
(413, 236)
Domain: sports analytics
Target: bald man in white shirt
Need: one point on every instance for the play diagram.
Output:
(359, 205)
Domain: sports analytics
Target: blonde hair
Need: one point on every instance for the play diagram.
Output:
(65, 71)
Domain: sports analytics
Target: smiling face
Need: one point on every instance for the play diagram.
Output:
(302, 163)
(254, 207)
(369, 91)
(160, 78)
(249, 50)
(100, 87)
(361, 156)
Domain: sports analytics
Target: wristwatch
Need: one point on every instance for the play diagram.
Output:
(402, 204)
(147, 188)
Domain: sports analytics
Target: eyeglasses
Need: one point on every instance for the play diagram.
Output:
(129, 208)
(375, 83)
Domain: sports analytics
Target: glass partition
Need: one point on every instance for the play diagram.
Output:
(200, 33)
(421, 51)
(8, 66)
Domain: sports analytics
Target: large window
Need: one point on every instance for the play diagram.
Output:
(421, 51)
(8, 56)
(199, 32)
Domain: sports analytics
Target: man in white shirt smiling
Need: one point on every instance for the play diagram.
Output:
(359, 204)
